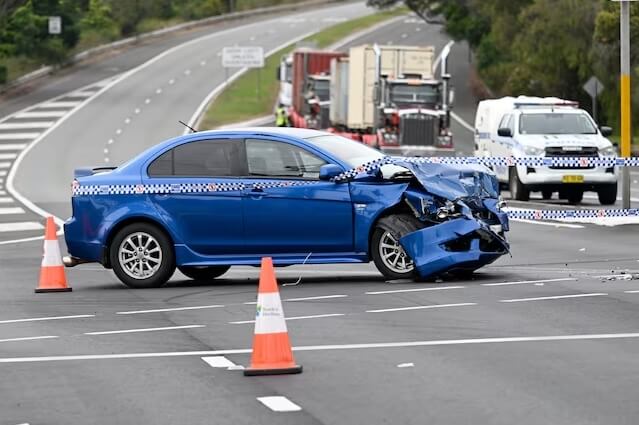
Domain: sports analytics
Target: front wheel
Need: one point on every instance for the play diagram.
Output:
(575, 196)
(518, 190)
(203, 273)
(142, 256)
(388, 255)
(607, 194)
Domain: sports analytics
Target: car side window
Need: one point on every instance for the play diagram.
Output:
(278, 159)
(205, 158)
(505, 121)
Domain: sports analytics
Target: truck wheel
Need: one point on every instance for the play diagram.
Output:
(575, 196)
(204, 273)
(388, 255)
(607, 194)
(546, 194)
(518, 190)
(142, 256)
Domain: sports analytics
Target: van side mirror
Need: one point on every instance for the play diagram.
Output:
(606, 131)
(451, 97)
(505, 132)
(329, 171)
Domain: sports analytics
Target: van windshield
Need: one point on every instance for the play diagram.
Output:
(556, 123)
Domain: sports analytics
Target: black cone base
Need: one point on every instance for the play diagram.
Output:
(262, 372)
(44, 290)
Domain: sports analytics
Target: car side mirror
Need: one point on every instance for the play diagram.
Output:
(329, 171)
(606, 131)
(505, 132)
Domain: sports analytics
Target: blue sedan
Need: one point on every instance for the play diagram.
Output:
(206, 201)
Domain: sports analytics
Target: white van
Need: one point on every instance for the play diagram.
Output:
(545, 127)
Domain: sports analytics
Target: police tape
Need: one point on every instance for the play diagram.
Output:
(524, 214)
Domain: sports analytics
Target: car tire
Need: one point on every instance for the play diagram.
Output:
(607, 194)
(388, 231)
(575, 196)
(204, 273)
(518, 190)
(546, 194)
(150, 267)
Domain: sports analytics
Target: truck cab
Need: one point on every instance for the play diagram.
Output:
(317, 95)
(545, 127)
(285, 77)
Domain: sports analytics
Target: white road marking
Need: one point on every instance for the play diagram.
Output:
(172, 81)
(110, 142)
(420, 307)
(187, 72)
(127, 121)
(521, 282)
(545, 223)
(29, 338)
(323, 297)
(5, 164)
(11, 210)
(3, 173)
(631, 292)
(60, 104)
(403, 365)
(6, 200)
(556, 297)
(25, 125)
(374, 345)
(167, 328)
(398, 291)
(13, 146)
(83, 93)
(20, 226)
(218, 361)
(161, 310)
(202, 63)
(463, 123)
(3, 193)
(41, 319)
(158, 91)
(279, 404)
(137, 111)
(118, 131)
(147, 101)
(106, 151)
(19, 136)
(43, 114)
(318, 316)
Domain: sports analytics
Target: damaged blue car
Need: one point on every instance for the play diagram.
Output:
(207, 201)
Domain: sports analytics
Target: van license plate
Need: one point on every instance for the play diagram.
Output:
(572, 179)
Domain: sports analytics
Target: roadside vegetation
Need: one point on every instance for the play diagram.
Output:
(240, 102)
(26, 45)
(541, 47)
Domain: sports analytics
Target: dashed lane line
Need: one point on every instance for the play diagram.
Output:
(162, 310)
(399, 291)
(322, 297)
(374, 345)
(420, 307)
(523, 282)
(279, 404)
(28, 338)
(317, 316)
(125, 331)
(41, 319)
(556, 297)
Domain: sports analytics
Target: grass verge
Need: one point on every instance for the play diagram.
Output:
(241, 100)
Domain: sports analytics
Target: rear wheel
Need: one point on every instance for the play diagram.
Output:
(607, 194)
(518, 190)
(388, 255)
(142, 256)
(575, 196)
(203, 273)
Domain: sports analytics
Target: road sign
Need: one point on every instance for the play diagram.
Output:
(55, 25)
(593, 87)
(243, 57)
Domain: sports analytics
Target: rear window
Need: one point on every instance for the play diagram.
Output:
(207, 158)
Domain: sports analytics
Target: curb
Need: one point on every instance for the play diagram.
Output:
(50, 69)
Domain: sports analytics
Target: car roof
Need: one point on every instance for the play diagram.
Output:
(300, 133)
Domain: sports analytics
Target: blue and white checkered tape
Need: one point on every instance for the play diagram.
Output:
(568, 214)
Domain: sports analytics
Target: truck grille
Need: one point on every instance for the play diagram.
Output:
(591, 152)
(418, 130)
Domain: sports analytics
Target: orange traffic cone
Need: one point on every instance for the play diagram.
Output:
(52, 278)
(272, 354)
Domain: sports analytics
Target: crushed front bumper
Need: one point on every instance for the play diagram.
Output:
(459, 244)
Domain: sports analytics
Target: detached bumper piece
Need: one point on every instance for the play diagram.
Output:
(459, 244)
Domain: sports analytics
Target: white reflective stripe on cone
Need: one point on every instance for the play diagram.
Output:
(52, 255)
(269, 316)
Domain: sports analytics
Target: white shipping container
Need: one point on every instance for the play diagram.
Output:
(395, 62)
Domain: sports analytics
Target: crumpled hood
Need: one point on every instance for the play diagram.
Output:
(454, 181)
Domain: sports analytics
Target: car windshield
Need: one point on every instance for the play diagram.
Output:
(556, 123)
(321, 89)
(408, 93)
(346, 150)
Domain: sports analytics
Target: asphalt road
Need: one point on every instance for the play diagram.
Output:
(548, 335)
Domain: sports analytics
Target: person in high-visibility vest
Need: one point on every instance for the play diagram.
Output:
(281, 116)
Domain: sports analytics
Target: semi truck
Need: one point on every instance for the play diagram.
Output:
(389, 98)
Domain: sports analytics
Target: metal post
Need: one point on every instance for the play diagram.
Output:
(258, 84)
(625, 99)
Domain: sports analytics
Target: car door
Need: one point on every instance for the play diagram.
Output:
(287, 209)
(196, 189)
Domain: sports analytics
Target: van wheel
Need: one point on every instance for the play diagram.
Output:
(518, 190)
(142, 256)
(388, 255)
(546, 194)
(575, 196)
(607, 194)
(203, 273)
